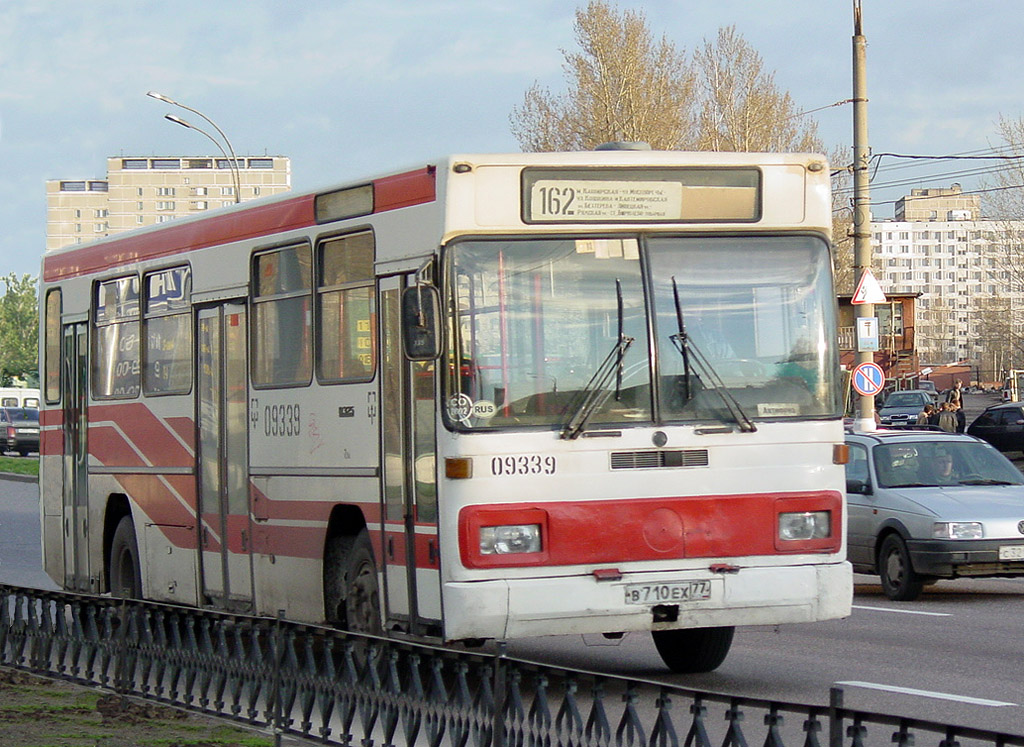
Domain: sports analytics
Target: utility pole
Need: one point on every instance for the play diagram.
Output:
(861, 200)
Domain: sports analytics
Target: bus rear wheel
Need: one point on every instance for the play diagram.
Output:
(693, 650)
(351, 591)
(125, 571)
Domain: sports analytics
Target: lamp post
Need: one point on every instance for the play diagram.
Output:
(233, 160)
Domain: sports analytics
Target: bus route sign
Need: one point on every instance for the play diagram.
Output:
(868, 379)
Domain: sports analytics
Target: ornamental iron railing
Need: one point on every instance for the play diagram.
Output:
(332, 687)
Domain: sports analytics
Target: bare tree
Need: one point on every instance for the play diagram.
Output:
(623, 85)
(1004, 201)
(741, 108)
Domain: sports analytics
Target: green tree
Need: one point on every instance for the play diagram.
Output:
(19, 325)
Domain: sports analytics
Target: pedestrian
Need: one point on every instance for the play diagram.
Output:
(955, 395)
(925, 414)
(947, 418)
(961, 418)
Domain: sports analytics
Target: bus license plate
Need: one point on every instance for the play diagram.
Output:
(1011, 552)
(675, 591)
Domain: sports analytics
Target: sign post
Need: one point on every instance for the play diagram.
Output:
(865, 296)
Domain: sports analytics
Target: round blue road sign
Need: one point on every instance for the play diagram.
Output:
(868, 379)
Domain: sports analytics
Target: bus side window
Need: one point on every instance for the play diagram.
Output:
(116, 355)
(52, 345)
(345, 309)
(167, 355)
(281, 337)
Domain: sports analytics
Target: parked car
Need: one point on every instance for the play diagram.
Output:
(925, 505)
(19, 430)
(929, 386)
(902, 408)
(1001, 425)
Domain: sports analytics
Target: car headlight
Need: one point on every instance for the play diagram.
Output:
(506, 540)
(958, 530)
(805, 525)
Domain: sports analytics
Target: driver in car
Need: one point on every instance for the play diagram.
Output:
(940, 470)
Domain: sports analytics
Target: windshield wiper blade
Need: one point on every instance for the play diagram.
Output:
(590, 399)
(689, 351)
(986, 481)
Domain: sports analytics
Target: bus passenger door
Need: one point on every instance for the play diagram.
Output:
(74, 394)
(410, 542)
(225, 534)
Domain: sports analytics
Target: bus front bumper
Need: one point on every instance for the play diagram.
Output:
(519, 608)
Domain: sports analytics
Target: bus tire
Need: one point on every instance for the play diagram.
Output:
(125, 571)
(351, 591)
(693, 650)
(900, 581)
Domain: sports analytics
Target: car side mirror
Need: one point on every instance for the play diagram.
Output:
(856, 485)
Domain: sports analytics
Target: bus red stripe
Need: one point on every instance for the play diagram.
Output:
(238, 225)
(404, 190)
(710, 526)
(145, 437)
(390, 193)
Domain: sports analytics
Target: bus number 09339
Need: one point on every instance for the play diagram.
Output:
(282, 420)
(522, 464)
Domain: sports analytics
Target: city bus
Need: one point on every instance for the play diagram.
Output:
(484, 398)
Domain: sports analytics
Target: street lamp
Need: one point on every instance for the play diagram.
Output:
(233, 160)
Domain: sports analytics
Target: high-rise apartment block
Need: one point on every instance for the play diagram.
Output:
(970, 301)
(141, 191)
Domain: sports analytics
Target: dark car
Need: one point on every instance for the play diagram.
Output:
(902, 408)
(925, 505)
(19, 430)
(1001, 425)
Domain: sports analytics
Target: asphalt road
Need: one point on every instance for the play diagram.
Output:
(953, 655)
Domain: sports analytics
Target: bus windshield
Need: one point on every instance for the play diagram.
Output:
(559, 331)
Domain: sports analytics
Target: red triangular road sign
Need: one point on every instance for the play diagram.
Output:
(868, 290)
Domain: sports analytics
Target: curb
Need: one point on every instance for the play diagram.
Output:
(14, 477)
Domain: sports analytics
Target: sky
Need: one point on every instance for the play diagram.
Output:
(349, 89)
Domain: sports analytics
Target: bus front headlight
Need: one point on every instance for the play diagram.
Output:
(510, 539)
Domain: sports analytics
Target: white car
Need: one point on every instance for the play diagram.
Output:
(925, 505)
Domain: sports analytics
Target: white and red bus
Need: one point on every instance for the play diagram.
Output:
(492, 397)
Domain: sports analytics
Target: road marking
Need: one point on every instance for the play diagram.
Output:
(928, 694)
(902, 612)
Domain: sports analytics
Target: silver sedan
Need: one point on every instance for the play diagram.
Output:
(925, 505)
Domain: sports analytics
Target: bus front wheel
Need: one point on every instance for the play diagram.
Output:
(125, 571)
(693, 650)
(351, 591)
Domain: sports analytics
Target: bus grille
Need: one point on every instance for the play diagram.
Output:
(655, 459)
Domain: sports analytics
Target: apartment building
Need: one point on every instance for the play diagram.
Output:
(959, 264)
(144, 190)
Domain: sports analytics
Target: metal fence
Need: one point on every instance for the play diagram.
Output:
(335, 688)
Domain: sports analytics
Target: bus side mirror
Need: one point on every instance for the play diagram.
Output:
(421, 310)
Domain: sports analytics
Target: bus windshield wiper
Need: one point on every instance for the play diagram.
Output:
(593, 396)
(692, 355)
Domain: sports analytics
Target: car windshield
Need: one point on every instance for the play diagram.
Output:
(23, 413)
(942, 463)
(904, 399)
